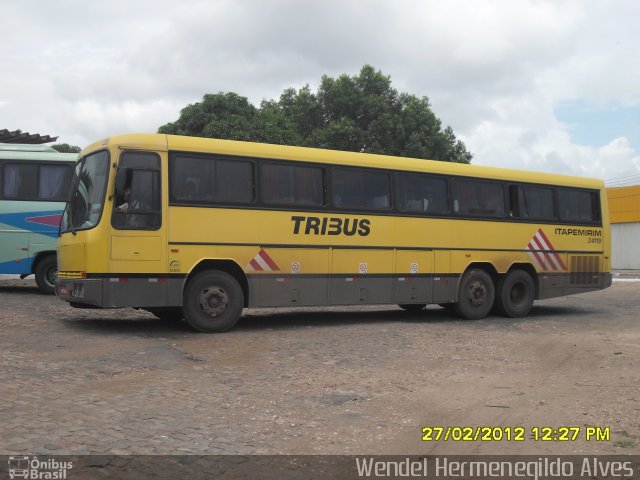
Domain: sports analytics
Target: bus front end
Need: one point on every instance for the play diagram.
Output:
(82, 244)
(111, 246)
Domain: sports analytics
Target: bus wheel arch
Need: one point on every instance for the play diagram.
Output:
(227, 266)
(515, 293)
(476, 291)
(45, 269)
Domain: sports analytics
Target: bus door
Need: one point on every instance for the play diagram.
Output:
(137, 253)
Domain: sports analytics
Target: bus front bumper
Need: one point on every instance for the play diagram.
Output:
(81, 291)
(116, 292)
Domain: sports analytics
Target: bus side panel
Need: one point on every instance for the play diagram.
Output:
(297, 277)
(445, 283)
(413, 282)
(14, 258)
(25, 230)
(361, 276)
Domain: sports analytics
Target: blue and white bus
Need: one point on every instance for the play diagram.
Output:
(34, 185)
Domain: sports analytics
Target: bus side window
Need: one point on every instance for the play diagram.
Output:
(137, 201)
(20, 182)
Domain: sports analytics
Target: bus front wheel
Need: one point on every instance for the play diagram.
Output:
(475, 295)
(46, 273)
(213, 302)
(514, 295)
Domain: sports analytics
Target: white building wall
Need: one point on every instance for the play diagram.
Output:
(625, 246)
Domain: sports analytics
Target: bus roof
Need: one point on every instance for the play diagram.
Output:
(25, 147)
(19, 151)
(162, 142)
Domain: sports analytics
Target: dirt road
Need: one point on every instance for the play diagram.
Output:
(318, 381)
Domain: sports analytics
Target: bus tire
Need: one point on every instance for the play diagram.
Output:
(515, 294)
(413, 307)
(167, 314)
(475, 295)
(213, 302)
(46, 273)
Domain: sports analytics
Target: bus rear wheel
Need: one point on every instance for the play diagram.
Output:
(213, 302)
(514, 295)
(475, 295)
(46, 273)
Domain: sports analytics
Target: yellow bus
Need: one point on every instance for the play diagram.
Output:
(200, 228)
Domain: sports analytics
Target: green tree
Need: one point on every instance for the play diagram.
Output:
(66, 148)
(363, 113)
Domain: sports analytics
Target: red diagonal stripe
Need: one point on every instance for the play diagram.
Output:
(256, 266)
(544, 237)
(545, 252)
(550, 261)
(558, 257)
(536, 242)
(265, 256)
(532, 248)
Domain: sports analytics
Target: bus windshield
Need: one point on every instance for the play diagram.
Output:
(85, 206)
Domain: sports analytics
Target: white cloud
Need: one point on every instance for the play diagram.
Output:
(493, 70)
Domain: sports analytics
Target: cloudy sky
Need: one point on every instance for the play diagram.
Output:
(543, 85)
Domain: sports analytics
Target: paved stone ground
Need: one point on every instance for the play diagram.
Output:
(328, 381)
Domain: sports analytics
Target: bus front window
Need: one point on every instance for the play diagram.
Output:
(88, 196)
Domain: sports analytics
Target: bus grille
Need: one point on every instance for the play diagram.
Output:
(67, 274)
(584, 270)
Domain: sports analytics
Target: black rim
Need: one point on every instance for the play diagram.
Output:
(50, 276)
(518, 293)
(213, 301)
(477, 293)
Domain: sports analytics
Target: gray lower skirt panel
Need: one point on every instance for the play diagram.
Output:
(317, 290)
(303, 290)
(116, 292)
(553, 285)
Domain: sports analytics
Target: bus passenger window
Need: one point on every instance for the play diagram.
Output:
(578, 206)
(532, 202)
(360, 189)
(292, 185)
(478, 197)
(20, 182)
(422, 194)
(208, 179)
(53, 182)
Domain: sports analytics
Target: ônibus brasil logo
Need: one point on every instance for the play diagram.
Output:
(34, 469)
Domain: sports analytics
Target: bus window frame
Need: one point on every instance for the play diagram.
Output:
(592, 194)
(113, 196)
(293, 163)
(393, 210)
(173, 201)
(448, 200)
(505, 199)
(390, 210)
(37, 163)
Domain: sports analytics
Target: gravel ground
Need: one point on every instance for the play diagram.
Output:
(362, 380)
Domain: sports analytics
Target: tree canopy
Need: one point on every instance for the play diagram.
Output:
(363, 113)
(66, 148)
